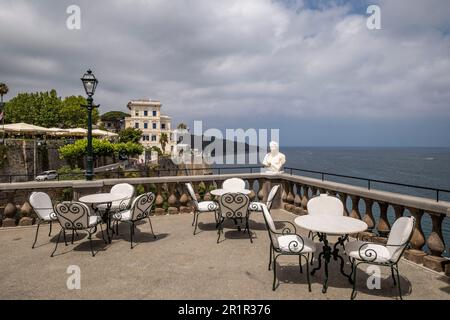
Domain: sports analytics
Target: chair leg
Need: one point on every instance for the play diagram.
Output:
(57, 241)
(393, 275)
(300, 262)
(355, 267)
(73, 235)
(131, 235)
(248, 231)
(219, 230)
(270, 255)
(196, 222)
(274, 272)
(307, 275)
(193, 220)
(398, 283)
(50, 231)
(65, 239)
(103, 235)
(90, 243)
(36, 236)
(151, 227)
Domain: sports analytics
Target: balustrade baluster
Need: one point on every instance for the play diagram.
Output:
(436, 244)
(383, 225)
(416, 254)
(298, 199)
(159, 201)
(305, 199)
(343, 197)
(355, 207)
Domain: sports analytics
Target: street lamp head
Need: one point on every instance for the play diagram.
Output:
(89, 83)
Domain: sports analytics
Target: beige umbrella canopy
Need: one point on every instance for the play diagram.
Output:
(57, 131)
(22, 127)
(103, 133)
(77, 132)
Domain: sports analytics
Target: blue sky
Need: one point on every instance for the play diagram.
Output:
(310, 68)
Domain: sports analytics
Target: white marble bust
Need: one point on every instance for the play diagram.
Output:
(274, 160)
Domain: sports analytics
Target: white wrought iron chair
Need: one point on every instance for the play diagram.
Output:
(140, 209)
(287, 242)
(75, 216)
(123, 189)
(257, 206)
(360, 252)
(234, 205)
(43, 207)
(201, 207)
(233, 184)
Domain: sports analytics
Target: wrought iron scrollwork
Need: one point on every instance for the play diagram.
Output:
(255, 206)
(72, 215)
(142, 206)
(234, 205)
(296, 246)
(212, 206)
(367, 254)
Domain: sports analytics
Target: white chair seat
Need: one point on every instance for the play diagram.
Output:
(207, 206)
(255, 206)
(371, 252)
(94, 220)
(122, 216)
(292, 243)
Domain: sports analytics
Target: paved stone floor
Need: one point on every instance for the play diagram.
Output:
(179, 265)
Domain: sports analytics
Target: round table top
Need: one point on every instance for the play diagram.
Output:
(220, 192)
(334, 225)
(99, 198)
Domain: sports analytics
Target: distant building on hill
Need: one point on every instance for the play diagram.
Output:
(113, 120)
(146, 115)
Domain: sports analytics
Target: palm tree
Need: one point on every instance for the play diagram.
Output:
(3, 90)
(163, 139)
(182, 126)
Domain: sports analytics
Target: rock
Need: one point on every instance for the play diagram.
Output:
(8, 222)
(26, 221)
(415, 256)
(435, 263)
(26, 209)
(10, 211)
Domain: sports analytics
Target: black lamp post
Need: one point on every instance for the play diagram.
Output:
(89, 83)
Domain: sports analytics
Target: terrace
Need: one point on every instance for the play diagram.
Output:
(178, 265)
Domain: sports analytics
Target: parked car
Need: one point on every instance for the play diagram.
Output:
(47, 175)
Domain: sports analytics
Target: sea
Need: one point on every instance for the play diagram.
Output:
(426, 167)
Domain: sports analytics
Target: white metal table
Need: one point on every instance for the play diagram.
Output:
(325, 225)
(103, 198)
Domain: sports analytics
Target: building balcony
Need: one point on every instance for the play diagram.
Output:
(179, 265)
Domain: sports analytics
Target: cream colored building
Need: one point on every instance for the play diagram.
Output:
(146, 115)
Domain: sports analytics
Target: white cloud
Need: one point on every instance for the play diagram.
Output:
(251, 56)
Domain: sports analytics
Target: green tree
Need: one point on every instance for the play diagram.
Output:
(74, 115)
(48, 110)
(182, 126)
(163, 139)
(113, 116)
(130, 135)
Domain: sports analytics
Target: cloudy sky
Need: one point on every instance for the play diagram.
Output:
(311, 68)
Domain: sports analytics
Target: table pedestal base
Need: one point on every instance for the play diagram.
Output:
(327, 253)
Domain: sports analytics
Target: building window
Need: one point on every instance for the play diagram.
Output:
(136, 125)
(145, 125)
(145, 138)
(154, 125)
(163, 126)
(154, 113)
(136, 113)
(153, 138)
(145, 113)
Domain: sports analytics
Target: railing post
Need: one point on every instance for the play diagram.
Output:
(355, 207)
(383, 226)
(436, 244)
(416, 254)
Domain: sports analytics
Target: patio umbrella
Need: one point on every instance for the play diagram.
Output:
(57, 131)
(22, 127)
(104, 133)
(77, 132)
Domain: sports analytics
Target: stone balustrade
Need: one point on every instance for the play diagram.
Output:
(173, 198)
